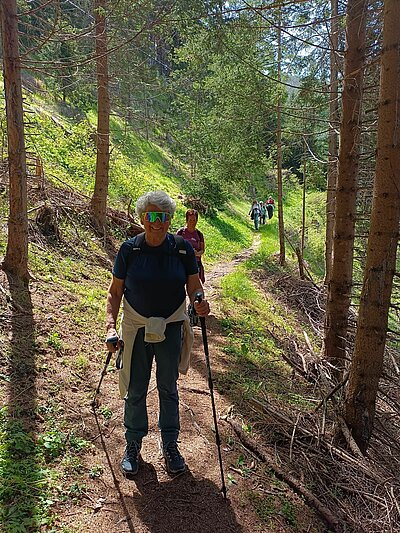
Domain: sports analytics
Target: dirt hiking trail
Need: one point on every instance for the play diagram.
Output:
(97, 496)
(154, 501)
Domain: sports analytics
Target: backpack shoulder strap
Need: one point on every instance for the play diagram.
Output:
(180, 247)
(201, 236)
(138, 241)
(136, 244)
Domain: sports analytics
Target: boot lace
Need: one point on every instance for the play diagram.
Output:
(171, 449)
(132, 450)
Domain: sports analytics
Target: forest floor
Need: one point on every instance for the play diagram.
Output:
(100, 498)
(191, 502)
(50, 392)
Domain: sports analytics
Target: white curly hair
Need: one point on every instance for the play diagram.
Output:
(159, 198)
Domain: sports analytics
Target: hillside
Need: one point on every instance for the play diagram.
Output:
(59, 458)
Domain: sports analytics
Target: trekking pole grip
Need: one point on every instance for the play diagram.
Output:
(198, 297)
(112, 340)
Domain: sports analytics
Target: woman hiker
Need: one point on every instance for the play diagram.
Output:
(263, 212)
(150, 275)
(270, 203)
(195, 237)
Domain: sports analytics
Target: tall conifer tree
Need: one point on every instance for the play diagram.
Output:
(367, 363)
(340, 283)
(16, 259)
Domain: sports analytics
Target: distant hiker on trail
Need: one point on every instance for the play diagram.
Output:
(255, 213)
(150, 274)
(270, 206)
(195, 237)
(263, 212)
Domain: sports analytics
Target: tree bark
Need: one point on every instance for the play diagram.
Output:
(282, 252)
(303, 214)
(16, 258)
(332, 141)
(99, 199)
(366, 368)
(339, 286)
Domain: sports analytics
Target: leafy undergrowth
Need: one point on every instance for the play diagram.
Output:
(279, 389)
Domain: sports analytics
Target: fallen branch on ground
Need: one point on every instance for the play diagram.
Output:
(331, 520)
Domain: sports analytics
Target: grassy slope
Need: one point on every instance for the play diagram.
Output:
(64, 346)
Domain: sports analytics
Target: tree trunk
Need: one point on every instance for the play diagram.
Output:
(16, 259)
(282, 257)
(332, 142)
(383, 238)
(339, 286)
(303, 214)
(99, 199)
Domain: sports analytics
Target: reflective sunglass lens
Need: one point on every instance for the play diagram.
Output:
(152, 216)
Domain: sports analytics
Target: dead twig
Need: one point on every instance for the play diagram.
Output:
(334, 522)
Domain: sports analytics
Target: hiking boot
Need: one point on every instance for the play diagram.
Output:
(174, 461)
(130, 460)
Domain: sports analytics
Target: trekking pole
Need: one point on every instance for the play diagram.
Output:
(111, 340)
(198, 298)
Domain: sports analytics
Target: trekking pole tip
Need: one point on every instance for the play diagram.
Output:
(95, 403)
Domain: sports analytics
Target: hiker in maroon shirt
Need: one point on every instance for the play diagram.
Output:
(270, 204)
(195, 237)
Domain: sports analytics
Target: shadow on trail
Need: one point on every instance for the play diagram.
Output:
(227, 230)
(20, 465)
(183, 503)
(121, 497)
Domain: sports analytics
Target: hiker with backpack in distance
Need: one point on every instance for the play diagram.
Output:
(263, 212)
(270, 206)
(255, 213)
(150, 275)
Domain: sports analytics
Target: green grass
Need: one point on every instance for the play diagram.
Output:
(67, 148)
(250, 315)
(27, 484)
(225, 235)
(30, 482)
(267, 507)
(314, 251)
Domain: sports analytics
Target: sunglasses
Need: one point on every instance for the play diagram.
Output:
(152, 216)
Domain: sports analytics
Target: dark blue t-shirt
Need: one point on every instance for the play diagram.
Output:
(155, 277)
